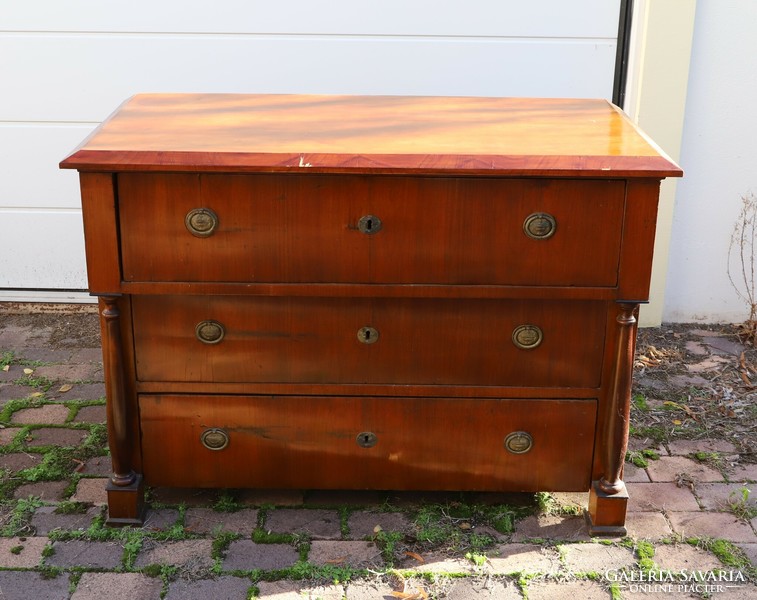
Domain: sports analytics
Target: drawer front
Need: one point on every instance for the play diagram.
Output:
(375, 443)
(368, 340)
(352, 229)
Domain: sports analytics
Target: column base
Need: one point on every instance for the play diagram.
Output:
(126, 504)
(607, 512)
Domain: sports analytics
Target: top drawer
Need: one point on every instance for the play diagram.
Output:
(295, 228)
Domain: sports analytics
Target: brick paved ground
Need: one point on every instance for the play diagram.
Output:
(684, 513)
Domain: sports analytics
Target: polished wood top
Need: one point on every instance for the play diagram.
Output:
(374, 134)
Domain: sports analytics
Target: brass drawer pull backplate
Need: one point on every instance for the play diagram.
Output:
(214, 439)
(209, 332)
(519, 442)
(527, 337)
(539, 226)
(201, 222)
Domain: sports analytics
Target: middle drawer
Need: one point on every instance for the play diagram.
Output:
(239, 339)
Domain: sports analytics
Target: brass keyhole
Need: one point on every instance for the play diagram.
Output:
(369, 224)
(368, 335)
(366, 439)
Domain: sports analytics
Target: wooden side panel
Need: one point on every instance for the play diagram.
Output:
(311, 442)
(417, 341)
(101, 232)
(638, 240)
(278, 228)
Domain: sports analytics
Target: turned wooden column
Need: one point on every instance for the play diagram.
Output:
(125, 486)
(608, 498)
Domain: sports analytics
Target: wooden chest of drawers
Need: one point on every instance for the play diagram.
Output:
(369, 292)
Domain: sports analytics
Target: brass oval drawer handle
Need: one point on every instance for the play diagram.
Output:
(210, 332)
(368, 335)
(519, 442)
(201, 222)
(527, 337)
(539, 226)
(369, 224)
(366, 439)
(214, 439)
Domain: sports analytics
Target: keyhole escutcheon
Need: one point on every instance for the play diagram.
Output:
(366, 439)
(368, 335)
(369, 224)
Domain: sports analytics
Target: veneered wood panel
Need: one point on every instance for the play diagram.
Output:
(453, 135)
(303, 228)
(315, 340)
(101, 241)
(421, 443)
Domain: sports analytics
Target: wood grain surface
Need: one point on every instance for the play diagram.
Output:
(465, 135)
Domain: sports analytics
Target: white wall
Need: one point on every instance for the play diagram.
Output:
(719, 157)
(64, 66)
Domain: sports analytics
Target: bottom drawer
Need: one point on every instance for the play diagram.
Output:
(367, 443)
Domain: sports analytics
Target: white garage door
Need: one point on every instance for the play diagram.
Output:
(64, 66)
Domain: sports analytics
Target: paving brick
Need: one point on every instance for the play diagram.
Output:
(84, 355)
(438, 563)
(222, 588)
(13, 373)
(633, 474)
(556, 527)
(89, 555)
(117, 586)
(355, 554)
(21, 552)
(70, 372)
(91, 491)
(368, 590)
(660, 496)
(750, 550)
(712, 524)
(505, 559)
(160, 519)
(316, 523)
(584, 558)
(45, 519)
(684, 556)
(11, 391)
(668, 468)
(686, 447)
(290, 590)
(245, 555)
(7, 435)
(566, 590)
(719, 496)
(724, 345)
(362, 524)
(18, 461)
(25, 585)
(192, 555)
(91, 414)
(254, 497)
(56, 436)
(572, 500)
(15, 337)
(207, 520)
(98, 465)
(647, 525)
(54, 414)
(46, 355)
(44, 490)
(744, 473)
(467, 589)
(696, 348)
